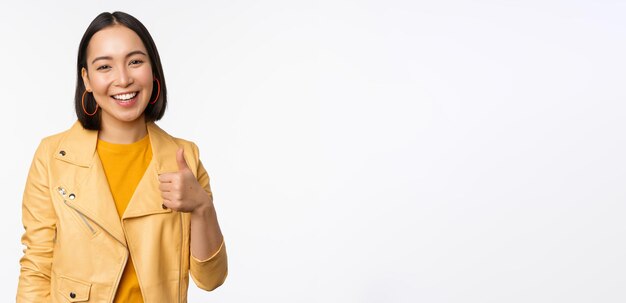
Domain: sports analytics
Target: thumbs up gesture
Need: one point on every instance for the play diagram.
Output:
(181, 191)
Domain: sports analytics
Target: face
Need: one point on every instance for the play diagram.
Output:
(118, 74)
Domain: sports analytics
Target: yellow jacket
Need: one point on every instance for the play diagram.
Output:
(76, 246)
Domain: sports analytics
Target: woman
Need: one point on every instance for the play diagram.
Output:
(115, 209)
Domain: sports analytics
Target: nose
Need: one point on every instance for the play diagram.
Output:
(124, 78)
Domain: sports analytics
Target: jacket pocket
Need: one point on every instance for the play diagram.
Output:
(74, 290)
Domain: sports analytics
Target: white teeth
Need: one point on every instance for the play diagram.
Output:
(125, 96)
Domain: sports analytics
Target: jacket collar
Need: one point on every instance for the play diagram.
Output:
(92, 196)
(79, 147)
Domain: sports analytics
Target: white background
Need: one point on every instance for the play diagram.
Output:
(369, 151)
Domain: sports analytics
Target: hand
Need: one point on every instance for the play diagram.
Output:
(181, 191)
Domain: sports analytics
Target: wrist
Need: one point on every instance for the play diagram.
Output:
(205, 209)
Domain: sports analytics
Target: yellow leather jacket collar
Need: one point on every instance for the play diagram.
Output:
(79, 148)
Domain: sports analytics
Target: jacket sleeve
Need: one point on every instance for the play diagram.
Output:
(210, 273)
(39, 220)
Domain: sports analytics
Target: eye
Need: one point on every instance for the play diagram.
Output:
(103, 67)
(135, 62)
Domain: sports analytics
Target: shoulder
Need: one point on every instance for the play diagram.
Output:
(189, 146)
(51, 142)
(155, 129)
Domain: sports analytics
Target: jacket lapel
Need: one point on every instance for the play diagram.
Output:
(146, 199)
(88, 189)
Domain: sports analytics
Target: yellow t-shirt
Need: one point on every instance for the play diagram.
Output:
(124, 166)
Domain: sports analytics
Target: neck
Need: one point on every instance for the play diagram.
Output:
(122, 132)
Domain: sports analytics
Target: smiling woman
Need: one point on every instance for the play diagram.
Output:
(115, 209)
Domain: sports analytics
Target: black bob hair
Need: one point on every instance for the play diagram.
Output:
(153, 112)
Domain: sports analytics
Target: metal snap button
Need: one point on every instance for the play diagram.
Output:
(72, 295)
(61, 190)
(72, 196)
(62, 153)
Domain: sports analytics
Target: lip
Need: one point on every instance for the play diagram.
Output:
(126, 103)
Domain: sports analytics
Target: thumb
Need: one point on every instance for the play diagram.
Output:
(180, 158)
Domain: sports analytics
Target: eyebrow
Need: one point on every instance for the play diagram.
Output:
(111, 58)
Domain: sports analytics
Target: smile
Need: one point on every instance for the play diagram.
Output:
(125, 96)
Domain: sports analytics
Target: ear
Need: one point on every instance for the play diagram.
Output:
(83, 73)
